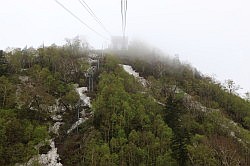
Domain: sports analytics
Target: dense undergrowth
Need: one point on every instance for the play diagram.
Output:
(179, 118)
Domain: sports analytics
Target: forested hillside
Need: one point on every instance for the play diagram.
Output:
(70, 105)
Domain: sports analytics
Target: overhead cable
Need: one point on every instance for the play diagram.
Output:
(126, 8)
(122, 14)
(90, 11)
(80, 20)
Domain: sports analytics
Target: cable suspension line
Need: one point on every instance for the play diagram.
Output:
(125, 15)
(122, 14)
(80, 20)
(91, 12)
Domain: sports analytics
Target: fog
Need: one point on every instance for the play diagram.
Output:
(212, 35)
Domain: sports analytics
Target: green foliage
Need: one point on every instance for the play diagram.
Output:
(34, 81)
(18, 138)
(130, 129)
(202, 155)
(213, 95)
(3, 63)
(71, 98)
(129, 126)
(7, 91)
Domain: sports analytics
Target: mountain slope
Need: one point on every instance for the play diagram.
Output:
(146, 109)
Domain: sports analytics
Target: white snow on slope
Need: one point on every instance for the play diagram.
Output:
(159, 102)
(55, 128)
(142, 80)
(86, 102)
(132, 72)
(77, 123)
(190, 102)
(50, 159)
(83, 97)
(56, 112)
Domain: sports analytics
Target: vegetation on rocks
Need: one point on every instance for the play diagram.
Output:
(176, 117)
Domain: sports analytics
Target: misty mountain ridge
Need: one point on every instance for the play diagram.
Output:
(72, 105)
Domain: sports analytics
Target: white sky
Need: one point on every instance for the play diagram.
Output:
(212, 35)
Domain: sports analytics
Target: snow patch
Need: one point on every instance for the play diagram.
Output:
(233, 123)
(23, 79)
(50, 159)
(83, 97)
(90, 60)
(232, 134)
(77, 123)
(132, 72)
(85, 101)
(159, 102)
(192, 104)
(142, 80)
(55, 111)
(55, 128)
(56, 117)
